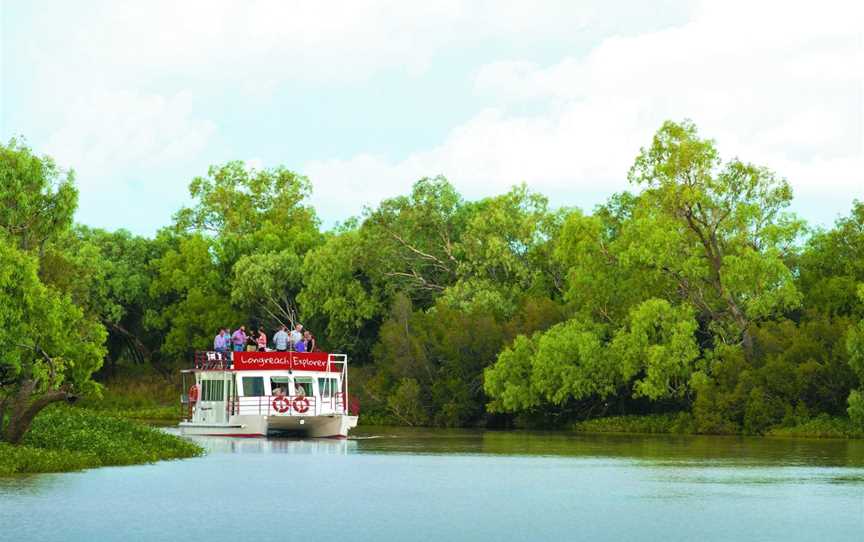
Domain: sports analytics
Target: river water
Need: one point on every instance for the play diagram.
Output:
(388, 484)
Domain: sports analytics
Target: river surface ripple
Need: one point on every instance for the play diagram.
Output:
(388, 484)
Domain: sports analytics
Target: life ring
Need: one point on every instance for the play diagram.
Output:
(301, 404)
(281, 404)
(193, 393)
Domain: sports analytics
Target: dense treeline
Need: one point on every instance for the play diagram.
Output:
(696, 292)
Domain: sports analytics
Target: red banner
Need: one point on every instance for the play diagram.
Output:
(280, 361)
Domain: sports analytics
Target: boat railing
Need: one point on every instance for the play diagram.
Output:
(212, 361)
(284, 405)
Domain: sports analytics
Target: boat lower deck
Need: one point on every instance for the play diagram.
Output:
(333, 426)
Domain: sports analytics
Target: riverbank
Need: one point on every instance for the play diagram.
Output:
(822, 426)
(66, 438)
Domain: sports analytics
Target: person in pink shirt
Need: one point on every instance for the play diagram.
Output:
(238, 339)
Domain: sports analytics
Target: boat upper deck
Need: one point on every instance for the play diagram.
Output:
(270, 361)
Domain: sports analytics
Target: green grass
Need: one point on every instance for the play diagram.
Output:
(822, 426)
(65, 438)
(147, 397)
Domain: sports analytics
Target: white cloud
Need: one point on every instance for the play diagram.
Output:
(778, 84)
(111, 83)
(102, 130)
(121, 89)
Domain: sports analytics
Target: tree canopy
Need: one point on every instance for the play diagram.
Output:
(696, 291)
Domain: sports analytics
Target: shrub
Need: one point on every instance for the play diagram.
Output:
(64, 438)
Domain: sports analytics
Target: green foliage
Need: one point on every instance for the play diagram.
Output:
(718, 230)
(108, 275)
(405, 403)
(47, 339)
(856, 409)
(65, 438)
(505, 254)
(266, 285)
(693, 282)
(698, 294)
(194, 298)
(251, 211)
(659, 343)
(339, 293)
(832, 266)
(822, 426)
(680, 422)
(37, 200)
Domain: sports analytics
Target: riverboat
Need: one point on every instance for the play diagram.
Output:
(253, 394)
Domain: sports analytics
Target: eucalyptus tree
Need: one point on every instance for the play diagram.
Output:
(718, 230)
(235, 256)
(51, 346)
(37, 199)
(655, 281)
(855, 346)
(343, 293)
(505, 254)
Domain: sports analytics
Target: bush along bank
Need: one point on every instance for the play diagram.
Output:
(65, 438)
(683, 423)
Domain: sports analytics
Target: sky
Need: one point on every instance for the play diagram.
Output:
(367, 97)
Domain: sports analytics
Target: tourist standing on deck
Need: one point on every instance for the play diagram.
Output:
(238, 339)
(296, 335)
(220, 343)
(262, 340)
(281, 339)
(309, 340)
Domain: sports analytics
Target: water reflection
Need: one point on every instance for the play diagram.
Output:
(225, 445)
(659, 450)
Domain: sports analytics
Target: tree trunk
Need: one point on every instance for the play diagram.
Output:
(25, 408)
(2, 416)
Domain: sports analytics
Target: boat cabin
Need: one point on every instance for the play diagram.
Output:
(291, 391)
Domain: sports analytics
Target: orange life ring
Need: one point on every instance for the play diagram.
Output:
(301, 404)
(193, 393)
(281, 404)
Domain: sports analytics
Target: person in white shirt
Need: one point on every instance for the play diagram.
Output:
(281, 339)
(296, 334)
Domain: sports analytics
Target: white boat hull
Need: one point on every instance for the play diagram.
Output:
(325, 426)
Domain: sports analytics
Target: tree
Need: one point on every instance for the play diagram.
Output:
(192, 296)
(657, 280)
(832, 266)
(266, 286)
(249, 211)
(505, 254)
(658, 348)
(718, 230)
(413, 240)
(341, 293)
(37, 200)
(50, 348)
(855, 346)
(108, 275)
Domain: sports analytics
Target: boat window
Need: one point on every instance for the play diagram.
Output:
(305, 382)
(280, 385)
(212, 390)
(253, 386)
(327, 387)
